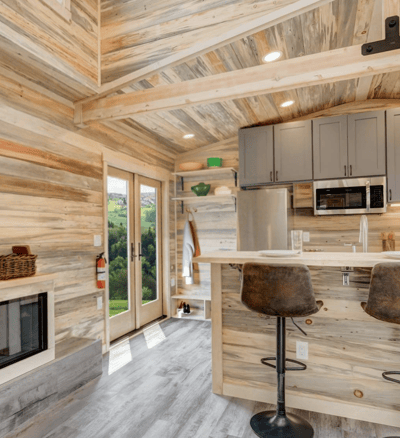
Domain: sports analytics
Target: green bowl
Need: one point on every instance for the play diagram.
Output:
(201, 189)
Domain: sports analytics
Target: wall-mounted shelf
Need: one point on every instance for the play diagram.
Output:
(196, 315)
(209, 198)
(207, 172)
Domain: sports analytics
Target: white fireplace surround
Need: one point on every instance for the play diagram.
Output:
(25, 287)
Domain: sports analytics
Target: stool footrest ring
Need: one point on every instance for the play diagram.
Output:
(302, 366)
(388, 373)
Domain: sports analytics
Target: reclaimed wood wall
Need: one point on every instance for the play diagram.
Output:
(50, 47)
(215, 223)
(51, 194)
(348, 351)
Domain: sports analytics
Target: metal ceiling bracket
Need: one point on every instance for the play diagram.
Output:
(391, 42)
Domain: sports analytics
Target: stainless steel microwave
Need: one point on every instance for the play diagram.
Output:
(350, 196)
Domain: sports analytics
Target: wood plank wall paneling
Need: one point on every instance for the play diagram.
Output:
(215, 224)
(69, 48)
(51, 195)
(343, 341)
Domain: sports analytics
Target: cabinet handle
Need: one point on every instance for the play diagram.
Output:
(390, 194)
(345, 168)
(270, 175)
(351, 170)
(276, 176)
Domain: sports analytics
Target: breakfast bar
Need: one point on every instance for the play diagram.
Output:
(347, 349)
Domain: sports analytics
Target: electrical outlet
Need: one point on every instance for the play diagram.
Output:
(97, 240)
(99, 303)
(172, 281)
(302, 350)
(346, 279)
(306, 236)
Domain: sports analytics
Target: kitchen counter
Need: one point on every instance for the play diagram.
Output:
(347, 349)
(360, 260)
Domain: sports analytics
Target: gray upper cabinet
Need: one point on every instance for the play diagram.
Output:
(330, 147)
(366, 144)
(256, 155)
(393, 155)
(293, 151)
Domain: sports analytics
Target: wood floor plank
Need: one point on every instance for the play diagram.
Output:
(166, 391)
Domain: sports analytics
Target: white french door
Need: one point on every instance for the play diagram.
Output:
(134, 251)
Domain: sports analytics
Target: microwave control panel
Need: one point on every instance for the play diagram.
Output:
(377, 197)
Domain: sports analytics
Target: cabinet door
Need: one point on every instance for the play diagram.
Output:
(330, 147)
(293, 151)
(256, 155)
(393, 155)
(367, 144)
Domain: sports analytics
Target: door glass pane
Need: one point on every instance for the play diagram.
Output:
(148, 215)
(118, 239)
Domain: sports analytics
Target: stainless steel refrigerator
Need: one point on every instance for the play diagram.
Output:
(265, 219)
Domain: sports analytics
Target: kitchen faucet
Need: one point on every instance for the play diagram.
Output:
(364, 232)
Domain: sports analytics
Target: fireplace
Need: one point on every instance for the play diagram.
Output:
(23, 328)
(26, 325)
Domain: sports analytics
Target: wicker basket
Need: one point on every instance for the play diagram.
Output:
(17, 266)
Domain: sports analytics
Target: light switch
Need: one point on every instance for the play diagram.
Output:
(99, 303)
(172, 281)
(306, 236)
(97, 240)
(302, 350)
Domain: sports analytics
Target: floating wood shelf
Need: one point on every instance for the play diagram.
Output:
(211, 198)
(191, 297)
(24, 281)
(207, 172)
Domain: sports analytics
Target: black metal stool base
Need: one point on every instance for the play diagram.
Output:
(269, 424)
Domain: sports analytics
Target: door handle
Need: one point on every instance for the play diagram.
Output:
(140, 255)
(133, 252)
(270, 175)
(390, 194)
(345, 170)
(351, 170)
(276, 176)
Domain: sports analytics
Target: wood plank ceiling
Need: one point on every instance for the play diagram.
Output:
(136, 33)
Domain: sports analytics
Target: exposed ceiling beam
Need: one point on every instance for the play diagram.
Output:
(321, 68)
(268, 20)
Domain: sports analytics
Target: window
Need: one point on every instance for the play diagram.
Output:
(61, 7)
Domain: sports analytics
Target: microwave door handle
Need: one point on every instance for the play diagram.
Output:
(368, 189)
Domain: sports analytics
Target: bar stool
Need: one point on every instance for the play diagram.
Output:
(383, 300)
(284, 291)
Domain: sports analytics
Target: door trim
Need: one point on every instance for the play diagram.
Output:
(130, 164)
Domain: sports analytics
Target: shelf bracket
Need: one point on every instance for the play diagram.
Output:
(391, 41)
(182, 206)
(182, 182)
(235, 204)
(236, 179)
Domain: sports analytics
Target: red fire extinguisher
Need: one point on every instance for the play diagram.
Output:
(101, 271)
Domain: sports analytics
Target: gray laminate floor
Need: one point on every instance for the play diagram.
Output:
(164, 390)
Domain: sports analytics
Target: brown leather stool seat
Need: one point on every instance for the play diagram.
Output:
(284, 291)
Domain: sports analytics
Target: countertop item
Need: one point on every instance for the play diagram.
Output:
(392, 254)
(338, 259)
(190, 165)
(214, 162)
(201, 189)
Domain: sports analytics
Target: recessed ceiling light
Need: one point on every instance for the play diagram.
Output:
(273, 56)
(288, 103)
(188, 136)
